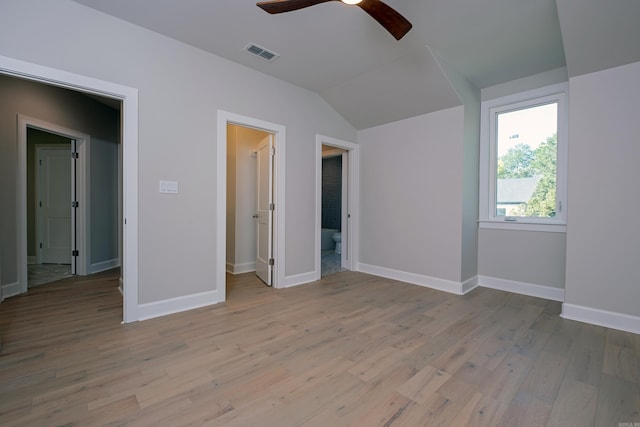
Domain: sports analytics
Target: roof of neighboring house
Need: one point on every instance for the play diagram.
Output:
(516, 190)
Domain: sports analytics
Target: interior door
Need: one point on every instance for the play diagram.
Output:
(264, 210)
(54, 205)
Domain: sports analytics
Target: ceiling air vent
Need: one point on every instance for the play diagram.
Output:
(260, 51)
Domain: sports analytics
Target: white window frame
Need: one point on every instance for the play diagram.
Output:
(488, 163)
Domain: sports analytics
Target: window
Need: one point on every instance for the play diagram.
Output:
(523, 160)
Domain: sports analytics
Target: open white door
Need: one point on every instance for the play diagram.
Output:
(54, 206)
(264, 210)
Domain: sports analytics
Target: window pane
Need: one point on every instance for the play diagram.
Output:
(526, 151)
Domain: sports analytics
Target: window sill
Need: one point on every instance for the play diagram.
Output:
(523, 226)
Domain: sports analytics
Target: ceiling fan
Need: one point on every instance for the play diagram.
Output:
(388, 17)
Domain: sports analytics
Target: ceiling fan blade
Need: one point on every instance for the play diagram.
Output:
(280, 6)
(391, 20)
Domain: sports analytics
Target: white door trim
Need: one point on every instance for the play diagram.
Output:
(353, 186)
(82, 185)
(279, 135)
(129, 98)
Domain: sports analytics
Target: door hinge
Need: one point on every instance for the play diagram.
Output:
(75, 204)
(75, 253)
(74, 155)
(272, 206)
(40, 203)
(273, 151)
(40, 245)
(272, 261)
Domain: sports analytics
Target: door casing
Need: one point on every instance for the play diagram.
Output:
(279, 136)
(129, 128)
(350, 238)
(82, 233)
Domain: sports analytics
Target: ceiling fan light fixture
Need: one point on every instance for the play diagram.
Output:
(389, 18)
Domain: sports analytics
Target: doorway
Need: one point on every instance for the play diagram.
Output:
(336, 233)
(277, 133)
(334, 210)
(250, 172)
(128, 207)
(35, 138)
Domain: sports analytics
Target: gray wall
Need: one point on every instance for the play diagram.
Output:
(532, 257)
(410, 195)
(603, 236)
(70, 110)
(104, 200)
(469, 95)
(180, 91)
(419, 196)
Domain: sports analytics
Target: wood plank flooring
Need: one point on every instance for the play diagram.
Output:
(350, 350)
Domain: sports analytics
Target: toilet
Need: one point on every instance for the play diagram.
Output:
(337, 237)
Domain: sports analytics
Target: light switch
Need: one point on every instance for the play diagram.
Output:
(170, 187)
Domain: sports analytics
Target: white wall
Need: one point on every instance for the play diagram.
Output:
(410, 197)
(180, 90)
(603, 236)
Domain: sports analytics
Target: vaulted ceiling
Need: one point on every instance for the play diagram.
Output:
(368, 76)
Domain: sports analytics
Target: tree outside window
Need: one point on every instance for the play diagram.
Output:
(526, 166)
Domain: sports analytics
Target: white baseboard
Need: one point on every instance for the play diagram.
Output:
(10, 290)
(246, 267)
(417, 279)
(176, 305)
(470, 284)
(104, 265)
(298, 279)
(608, 319)
(540, 291)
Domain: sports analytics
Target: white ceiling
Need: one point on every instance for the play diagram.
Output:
(342, 54)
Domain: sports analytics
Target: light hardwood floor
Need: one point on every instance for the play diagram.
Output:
(352, 349)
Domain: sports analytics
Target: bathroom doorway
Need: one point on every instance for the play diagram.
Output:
(336, 189)
(334, 213)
